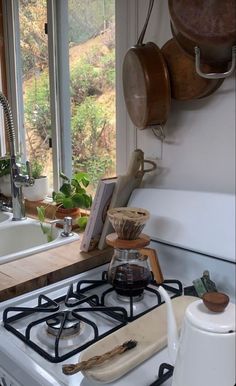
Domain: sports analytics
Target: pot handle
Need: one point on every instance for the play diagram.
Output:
(214, 75)
(141, 36)
(159, 132)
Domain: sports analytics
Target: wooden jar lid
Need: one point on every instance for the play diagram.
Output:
(215, 301)
(113, 240)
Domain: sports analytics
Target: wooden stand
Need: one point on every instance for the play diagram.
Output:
(154, 262)
(143, 240)
(113, 240)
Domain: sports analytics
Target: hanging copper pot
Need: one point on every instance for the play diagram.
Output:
(146, 83)
(186, 84)
(207, 24)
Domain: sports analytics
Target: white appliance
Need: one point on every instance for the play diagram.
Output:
(38, 363)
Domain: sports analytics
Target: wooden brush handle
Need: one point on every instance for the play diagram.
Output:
(98, 359)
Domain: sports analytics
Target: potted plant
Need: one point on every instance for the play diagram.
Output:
(39, 190)
(72, 196)
(5, 180)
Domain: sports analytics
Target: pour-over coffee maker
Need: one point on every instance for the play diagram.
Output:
(129, 272)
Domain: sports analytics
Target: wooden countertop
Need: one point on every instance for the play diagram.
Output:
(35, 271)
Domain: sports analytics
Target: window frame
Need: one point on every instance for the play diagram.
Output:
(126, 32)
(58, 58)
(13, 71)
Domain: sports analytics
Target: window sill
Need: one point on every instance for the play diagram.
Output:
(50, 208)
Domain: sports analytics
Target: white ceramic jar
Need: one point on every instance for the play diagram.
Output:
(38, 191)
(5, 185)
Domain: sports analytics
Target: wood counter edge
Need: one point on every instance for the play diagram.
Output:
(39, 270)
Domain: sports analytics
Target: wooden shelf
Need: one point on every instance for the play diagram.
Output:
(35, 271)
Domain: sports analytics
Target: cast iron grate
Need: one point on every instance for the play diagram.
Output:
(52, 309)
(75, 303)
(174, 287)
(165, 372)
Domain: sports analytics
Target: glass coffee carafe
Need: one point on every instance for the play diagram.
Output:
(129, 273)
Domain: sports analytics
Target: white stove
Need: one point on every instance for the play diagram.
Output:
(21, 365)
(28, 356)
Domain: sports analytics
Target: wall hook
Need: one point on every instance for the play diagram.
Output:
(159, 132)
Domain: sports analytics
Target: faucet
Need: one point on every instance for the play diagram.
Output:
(67, 226)
(18, 180)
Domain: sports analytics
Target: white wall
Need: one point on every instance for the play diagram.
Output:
(199, 151)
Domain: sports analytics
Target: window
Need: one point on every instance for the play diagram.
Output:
(63, 54)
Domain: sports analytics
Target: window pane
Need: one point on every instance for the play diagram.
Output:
(36, 97)
(92, 82)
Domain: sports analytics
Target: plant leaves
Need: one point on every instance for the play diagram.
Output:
(41, 213)
(59, 197)
(85, 181)
(64, 177)
(79, 200)
(82, 222)
(75, 183)
(68, 203)
(83, 178)
(66, 189)
(88, 201)
(46, 229)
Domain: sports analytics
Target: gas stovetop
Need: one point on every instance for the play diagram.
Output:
(48, 327)
(87, 296)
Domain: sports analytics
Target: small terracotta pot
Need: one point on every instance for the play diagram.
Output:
(74, 213)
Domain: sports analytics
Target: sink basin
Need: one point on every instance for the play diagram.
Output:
(24, 238)
(4, 216)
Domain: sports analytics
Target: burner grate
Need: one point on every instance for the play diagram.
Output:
(82, 305)
(165, 372)
(92, 302)
(174, 287)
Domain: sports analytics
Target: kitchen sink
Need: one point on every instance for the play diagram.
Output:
(4, 216)
(24, 238)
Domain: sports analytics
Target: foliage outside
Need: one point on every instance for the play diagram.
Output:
(36, 169)
(92, 85)
(4, 166)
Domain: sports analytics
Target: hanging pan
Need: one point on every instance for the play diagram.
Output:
(186, 84)
(206, 29)
(146, 83)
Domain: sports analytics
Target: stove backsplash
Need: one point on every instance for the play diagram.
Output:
(188, 266)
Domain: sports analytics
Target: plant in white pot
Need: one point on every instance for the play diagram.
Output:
(39, 190)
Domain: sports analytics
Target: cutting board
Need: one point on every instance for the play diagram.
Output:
(150, 331)
(124, 187)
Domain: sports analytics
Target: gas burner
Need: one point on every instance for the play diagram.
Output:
(66, 325)
(135, 304)
(60, 328)
(126, 299)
